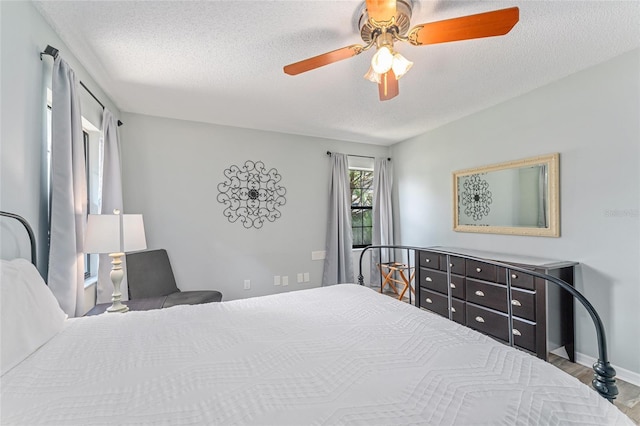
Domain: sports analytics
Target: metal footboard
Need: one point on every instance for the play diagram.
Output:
(604, 374)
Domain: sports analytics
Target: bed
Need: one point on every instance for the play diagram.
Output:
(343, 354)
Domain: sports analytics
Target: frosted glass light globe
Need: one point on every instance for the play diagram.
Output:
(400, 65)
(372, 76)
(382, 60)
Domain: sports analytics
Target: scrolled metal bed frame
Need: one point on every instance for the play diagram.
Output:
(604, 374)
(32, 238)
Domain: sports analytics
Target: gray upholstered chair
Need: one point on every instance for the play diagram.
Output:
(149, 274)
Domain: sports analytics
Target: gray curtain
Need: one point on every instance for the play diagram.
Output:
(338, 263)
(111, 198)
(382, 215)
(68, 192)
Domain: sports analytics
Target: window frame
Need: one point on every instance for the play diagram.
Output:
(361, 207)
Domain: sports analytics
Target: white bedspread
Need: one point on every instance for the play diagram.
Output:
(343, 354)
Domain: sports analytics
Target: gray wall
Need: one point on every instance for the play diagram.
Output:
(24, 79)
(592, 119)
(171, 169)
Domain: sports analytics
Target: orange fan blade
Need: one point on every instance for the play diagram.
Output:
(381, 10)
(488, 24)
(388, 86)
(322, 60)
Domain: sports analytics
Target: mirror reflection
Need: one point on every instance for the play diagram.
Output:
(518, 197)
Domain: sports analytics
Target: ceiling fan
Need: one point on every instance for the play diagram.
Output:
(384, 22)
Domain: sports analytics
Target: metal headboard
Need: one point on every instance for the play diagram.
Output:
(604, 374)
(32, 238)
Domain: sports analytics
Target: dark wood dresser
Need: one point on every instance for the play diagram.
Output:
(543, 315)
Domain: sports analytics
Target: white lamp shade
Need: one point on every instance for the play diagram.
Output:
(105, 235)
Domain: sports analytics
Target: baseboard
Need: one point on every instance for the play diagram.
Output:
(588, 361)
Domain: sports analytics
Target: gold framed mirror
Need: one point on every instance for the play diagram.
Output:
(517, 198)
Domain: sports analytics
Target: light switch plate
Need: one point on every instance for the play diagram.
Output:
(318, 255)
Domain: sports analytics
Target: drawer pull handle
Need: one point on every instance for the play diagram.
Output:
(515, 302)
(479, 319)
(514, 276)
(428, 300)
(451, 265)
(478, 269)
(453, 309)
(427, 260)
(428, 279)
(479, 293)
(516, 332)
(452, 285)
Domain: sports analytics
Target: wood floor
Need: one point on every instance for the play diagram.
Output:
(628, 400)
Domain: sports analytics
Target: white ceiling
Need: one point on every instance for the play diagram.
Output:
(221, 61)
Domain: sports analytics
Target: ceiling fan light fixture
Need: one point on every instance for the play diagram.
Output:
(382, 60)
(400, 65)
(372, 76)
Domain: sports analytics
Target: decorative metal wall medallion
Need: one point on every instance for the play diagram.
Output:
(476, 197)
(251, 194)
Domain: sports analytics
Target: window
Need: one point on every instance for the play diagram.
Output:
(361, 206)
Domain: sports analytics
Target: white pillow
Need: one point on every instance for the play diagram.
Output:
(30, 313)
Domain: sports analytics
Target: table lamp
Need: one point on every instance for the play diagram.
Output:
(115, 234)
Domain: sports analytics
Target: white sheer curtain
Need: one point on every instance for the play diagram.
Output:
(338, 263)
(68, 192)
(111, 198)
(382, 215)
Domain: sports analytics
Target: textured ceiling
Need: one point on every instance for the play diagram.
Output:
(221, 61)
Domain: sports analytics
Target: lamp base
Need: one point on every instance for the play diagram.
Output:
(116, 278)
(118, 307)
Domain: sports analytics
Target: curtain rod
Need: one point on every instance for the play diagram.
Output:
(361, 156)
(52, 51)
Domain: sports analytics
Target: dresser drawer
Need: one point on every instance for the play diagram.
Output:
(487, 294)
(481, 270)
(457, 286)
(433, 280)
(524, 335)
(459, 311)
(457, 264)
(523, 304)
(497, 325)
(438, 303)
(427, 259)
(518, 279)
(437, 281)
(488, 322)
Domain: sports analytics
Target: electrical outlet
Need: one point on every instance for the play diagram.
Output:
(276, 280)
(300, 277)
(247, 284)
(285, 280)
(306, 277)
